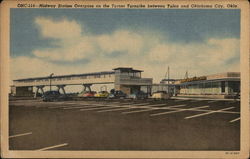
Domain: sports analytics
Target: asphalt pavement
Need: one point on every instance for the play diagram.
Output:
(98, 124)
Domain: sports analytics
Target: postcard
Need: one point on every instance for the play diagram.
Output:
(125, 79)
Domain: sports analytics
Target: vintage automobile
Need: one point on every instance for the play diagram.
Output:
(117, 94)
(81, 93)
(160, 95)
(138, 95)
(50, 96)
(89, 94)
(102, 94)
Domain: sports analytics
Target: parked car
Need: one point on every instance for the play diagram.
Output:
(102, 94)
(89, 94)
(138, 95)
(38, 94)
(72, 94)
(117, 94)
(81, 94)
(50, 96)
(160, 95)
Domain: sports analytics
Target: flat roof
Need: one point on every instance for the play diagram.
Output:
(224, 75)
(65, 76)
(212, 80)
(127, 69)
(218, 76)
(169, 79)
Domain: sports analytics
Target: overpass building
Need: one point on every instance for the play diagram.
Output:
(126, 79)
(129, 80)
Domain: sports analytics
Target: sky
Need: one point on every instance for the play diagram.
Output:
(69, 41)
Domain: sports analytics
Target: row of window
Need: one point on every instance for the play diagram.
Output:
(69, 78)
(131, 74)
(203, 85)
(232, 86)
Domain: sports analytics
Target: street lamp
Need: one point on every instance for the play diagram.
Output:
(168, 81)
(50, 76)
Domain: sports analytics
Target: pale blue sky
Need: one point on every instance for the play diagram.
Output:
(177, 32)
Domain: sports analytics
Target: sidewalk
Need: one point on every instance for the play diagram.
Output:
(201, 98)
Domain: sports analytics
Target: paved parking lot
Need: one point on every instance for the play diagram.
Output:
(176, 124)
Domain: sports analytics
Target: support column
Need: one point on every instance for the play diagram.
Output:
(37, 90)
(62, 88)
(87, 87)
(42, 89)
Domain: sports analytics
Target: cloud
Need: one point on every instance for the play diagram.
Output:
(24, 67)
(213, 55)
(161, 52)
(70, 45)
(82, 49)
(61, 29)
(149, 51)
(121, 41)
(73, 44)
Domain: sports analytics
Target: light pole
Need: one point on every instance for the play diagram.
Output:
(168, 81)
(50, 76)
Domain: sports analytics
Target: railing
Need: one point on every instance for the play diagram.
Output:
(65, 82)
